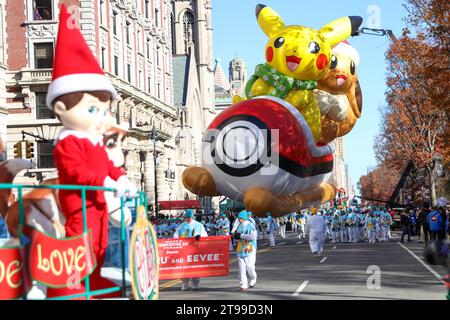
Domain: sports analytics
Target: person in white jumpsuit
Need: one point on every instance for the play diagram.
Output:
(271, 229)
(190, 228)
(246, 237)
(315, 227)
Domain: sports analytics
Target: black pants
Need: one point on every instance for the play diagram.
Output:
(406, 231)
(434, 235)
(418, 227)
(426, 233)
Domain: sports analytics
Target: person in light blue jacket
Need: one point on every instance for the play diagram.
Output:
(246, 236)
(188, 229)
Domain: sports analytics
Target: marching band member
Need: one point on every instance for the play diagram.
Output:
(271, 228)
(343, 226)
(190, 228)
(223, 227)
(246, 236)
(370, 227)
(335, 227)
(282, 223)
(351, 222)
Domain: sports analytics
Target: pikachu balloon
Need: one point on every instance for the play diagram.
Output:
(296, 58)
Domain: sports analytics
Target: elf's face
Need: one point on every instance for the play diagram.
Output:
(90, 115)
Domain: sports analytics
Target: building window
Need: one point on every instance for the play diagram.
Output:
(43, 55)
(148, 48)
(116, 65)
(188, 27)
(102, 9)
(129, 72)
(42, 10)
(147, 8)
(159, 90)
(157, 55)
(127, 32)
(114, 18)
(172, 26)
(149, 85)
(42, 111)
(157, 17)
(139, 49)
(45, 155)
(103, 58)
(140, 79)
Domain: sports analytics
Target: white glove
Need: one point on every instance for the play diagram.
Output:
(119, 187)
(131, 190)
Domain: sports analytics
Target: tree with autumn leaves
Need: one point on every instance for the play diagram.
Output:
(379, 183)
(415, 118)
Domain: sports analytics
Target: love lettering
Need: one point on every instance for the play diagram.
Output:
(60, 261)
(10, 274)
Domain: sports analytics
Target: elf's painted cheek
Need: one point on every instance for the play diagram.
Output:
(269, 54)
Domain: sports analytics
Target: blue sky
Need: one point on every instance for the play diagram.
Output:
(236, 31)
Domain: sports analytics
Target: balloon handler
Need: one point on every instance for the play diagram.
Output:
(80, 96)
(246, 236)
(188, 229)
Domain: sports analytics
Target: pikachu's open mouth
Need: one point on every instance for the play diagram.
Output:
(293, 62)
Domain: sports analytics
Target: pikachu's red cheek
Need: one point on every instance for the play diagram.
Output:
(322, 62)
(269, 54)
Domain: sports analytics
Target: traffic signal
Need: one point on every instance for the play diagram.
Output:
(18, 149)
(29, 147)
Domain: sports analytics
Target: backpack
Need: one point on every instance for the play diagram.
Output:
(435, 221)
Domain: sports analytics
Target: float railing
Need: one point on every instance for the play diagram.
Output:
(140, 199)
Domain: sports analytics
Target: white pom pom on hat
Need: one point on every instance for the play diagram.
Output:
(344, 48)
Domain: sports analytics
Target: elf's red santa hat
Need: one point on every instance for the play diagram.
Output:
(75, 69)
(347, 50)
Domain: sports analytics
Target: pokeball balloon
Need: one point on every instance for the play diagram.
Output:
(262, 152)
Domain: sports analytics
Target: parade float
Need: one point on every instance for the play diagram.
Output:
(273, 149)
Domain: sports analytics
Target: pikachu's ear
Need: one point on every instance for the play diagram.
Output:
(341, 29)
(269, 21)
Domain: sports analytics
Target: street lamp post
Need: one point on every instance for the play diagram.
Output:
(155, 138)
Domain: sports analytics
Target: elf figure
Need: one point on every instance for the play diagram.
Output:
(80, 96)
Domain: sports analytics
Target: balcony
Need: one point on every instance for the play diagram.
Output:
(142, 96)
(26, 77)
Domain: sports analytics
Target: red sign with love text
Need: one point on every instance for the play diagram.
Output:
(14, 281)
(60, 262)
(187, 257)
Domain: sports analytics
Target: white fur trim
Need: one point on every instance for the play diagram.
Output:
(94, 139)
(79, 82)
(347, 50)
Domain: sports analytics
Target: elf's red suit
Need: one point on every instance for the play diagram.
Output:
(82, 160)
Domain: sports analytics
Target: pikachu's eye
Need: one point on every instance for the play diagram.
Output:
(334, 62)
(279, 42)
(352, 67)
(313, 47)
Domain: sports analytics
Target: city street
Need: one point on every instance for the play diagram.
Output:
(289, 271)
